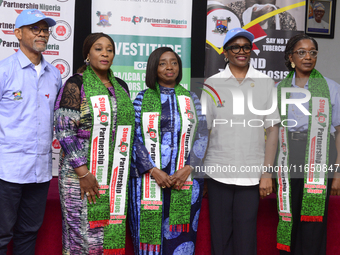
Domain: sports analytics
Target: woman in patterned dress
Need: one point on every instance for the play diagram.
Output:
(74, 121)
(153, 230)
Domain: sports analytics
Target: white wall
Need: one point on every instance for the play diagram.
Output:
(328, 63)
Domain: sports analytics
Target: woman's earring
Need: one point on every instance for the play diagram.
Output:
(87, 61)
(226, 60)
(292, 64)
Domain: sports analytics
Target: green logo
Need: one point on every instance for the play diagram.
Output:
(321, 119)
(153, 134)
(123, 148)
(190, 116)
(103, 118)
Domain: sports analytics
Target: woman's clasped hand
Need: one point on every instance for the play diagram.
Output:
(176, 181)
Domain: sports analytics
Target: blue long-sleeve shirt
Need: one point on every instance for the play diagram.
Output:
(26, 119)
(301, 119)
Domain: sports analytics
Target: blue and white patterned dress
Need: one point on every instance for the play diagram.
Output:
(172, 242)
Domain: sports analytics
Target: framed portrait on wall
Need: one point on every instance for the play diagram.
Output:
(320, 18)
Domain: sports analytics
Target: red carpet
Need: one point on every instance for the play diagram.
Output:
(49, 237)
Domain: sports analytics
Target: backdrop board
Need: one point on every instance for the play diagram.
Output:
(59, 48)
(272, 22)
(140, 26)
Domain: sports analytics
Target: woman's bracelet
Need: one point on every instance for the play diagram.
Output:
(152, 170)
(83, 176)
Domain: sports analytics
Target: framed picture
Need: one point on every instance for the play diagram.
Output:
(320, 18)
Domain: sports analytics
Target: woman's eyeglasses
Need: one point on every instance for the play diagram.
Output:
(302, 53)
(237, 48)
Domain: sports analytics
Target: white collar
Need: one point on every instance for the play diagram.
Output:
(251, 73)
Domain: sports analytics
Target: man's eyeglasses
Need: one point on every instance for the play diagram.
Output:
(302, 53)
(237, 48)
(36, 30)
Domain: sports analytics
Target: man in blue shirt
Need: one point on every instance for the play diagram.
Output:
(28, 90)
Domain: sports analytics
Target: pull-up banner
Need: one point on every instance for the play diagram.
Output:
(59, 50)
(138, 27)
(272, 22)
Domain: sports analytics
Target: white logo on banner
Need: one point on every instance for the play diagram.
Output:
(61, 31)
(62, 66)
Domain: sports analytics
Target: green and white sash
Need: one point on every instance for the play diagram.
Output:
(152, 199)
(316, 160)
(151, 204)
(109, 161)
